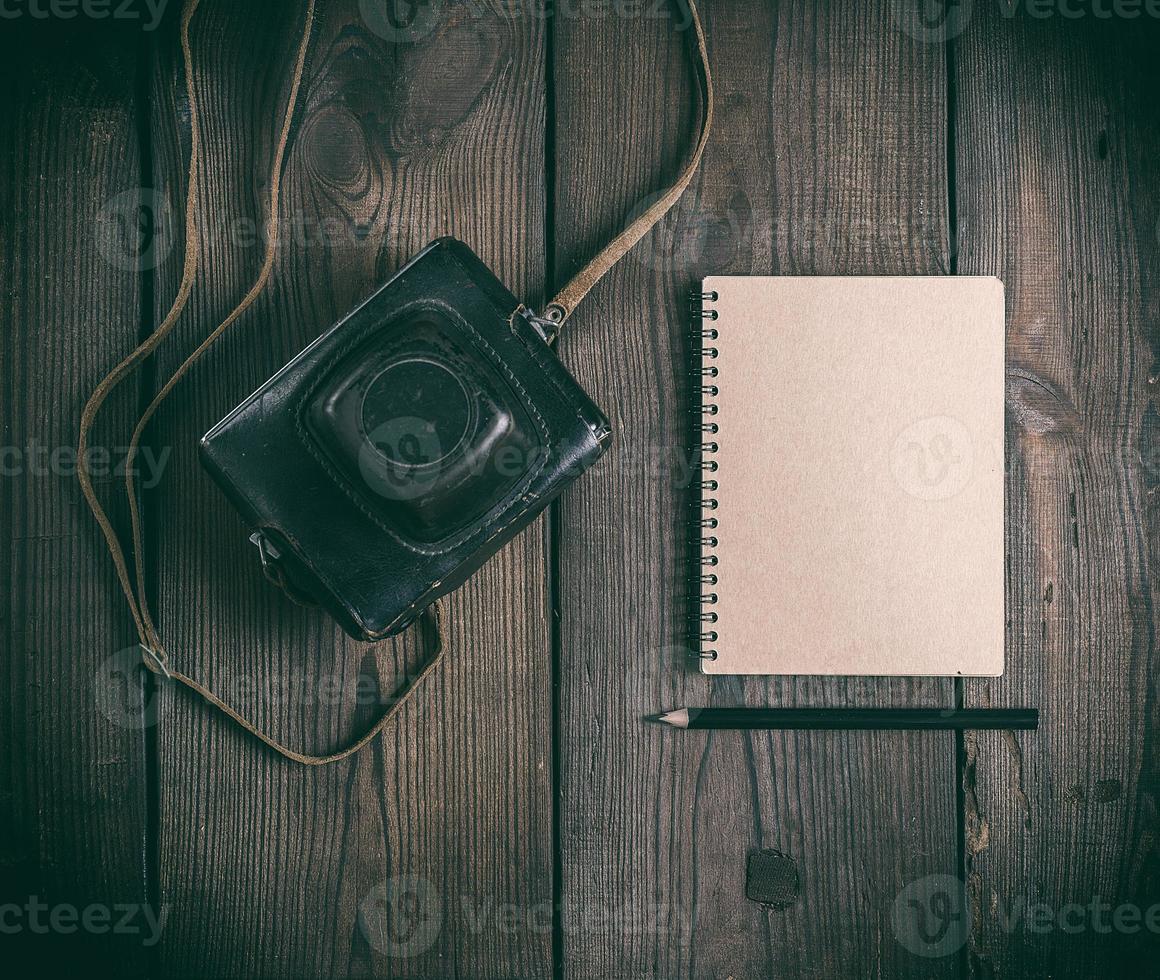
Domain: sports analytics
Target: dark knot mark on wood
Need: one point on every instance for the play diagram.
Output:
(772, 879)
(441, 81)
(336, 147)
(1038, 406)
(1108, 790)
(1018, 780)
(977, 831)
(1104, 791)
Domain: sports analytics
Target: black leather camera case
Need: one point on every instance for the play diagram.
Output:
(393, 456)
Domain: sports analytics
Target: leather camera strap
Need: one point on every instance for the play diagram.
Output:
(562, 306)
(153, 652)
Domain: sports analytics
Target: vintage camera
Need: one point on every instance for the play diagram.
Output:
(393, 456)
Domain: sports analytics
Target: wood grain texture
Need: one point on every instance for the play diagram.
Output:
(72, 793)
(429, 854)
(829, 158)
(1057, 166)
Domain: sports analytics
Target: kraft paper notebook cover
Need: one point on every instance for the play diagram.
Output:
(853, 522)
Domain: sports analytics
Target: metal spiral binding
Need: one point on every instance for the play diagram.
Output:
(704, 445)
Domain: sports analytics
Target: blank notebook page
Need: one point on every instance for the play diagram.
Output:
(860, 476)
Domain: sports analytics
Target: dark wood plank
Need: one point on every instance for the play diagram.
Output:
(72, 790)
(268, 866)
(1057, 166)
(829, 158)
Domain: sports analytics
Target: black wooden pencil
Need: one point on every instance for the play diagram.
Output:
(836, 719)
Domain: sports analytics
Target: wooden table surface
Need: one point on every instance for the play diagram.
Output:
(521, 820)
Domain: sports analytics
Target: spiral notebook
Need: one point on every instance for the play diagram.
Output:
(850, 512)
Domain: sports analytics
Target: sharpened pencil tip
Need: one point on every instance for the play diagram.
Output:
(676, 719)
